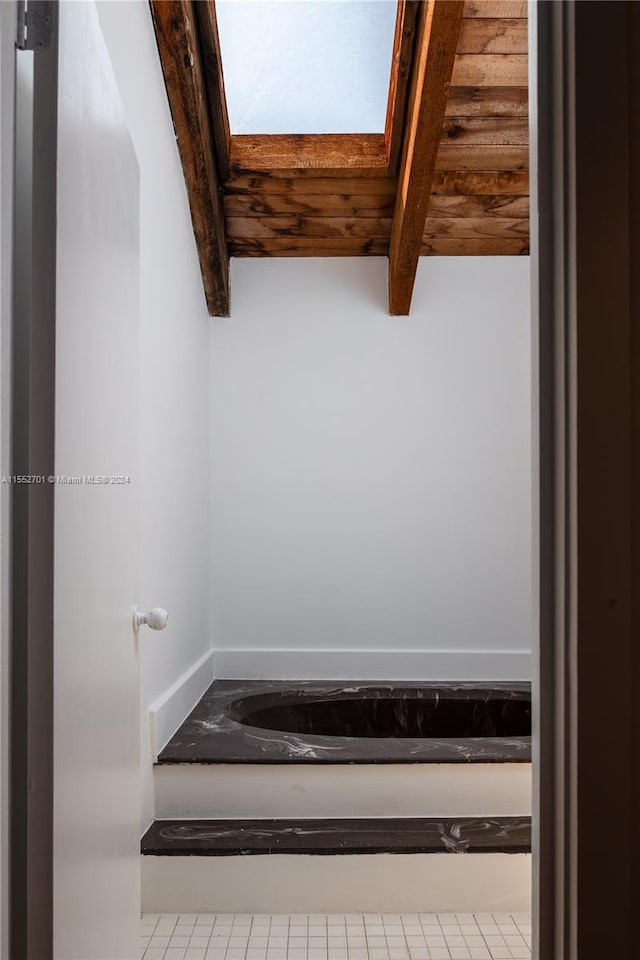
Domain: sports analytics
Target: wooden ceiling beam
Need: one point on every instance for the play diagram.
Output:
(205, 11)
(402, 58)
(435, 53)
(177, 37)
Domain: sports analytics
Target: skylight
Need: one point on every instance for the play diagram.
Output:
(306, 66)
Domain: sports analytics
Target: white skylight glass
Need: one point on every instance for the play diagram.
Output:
(306, 66)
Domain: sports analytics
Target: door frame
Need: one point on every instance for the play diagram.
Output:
(587, 299)
(585, 238)
(32, 504)
(7, 148)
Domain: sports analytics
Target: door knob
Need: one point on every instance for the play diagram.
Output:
(157, 619)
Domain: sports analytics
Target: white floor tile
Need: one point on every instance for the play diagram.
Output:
(157, 942)
(426, 936)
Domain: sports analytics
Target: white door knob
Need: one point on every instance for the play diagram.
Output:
(157, 619)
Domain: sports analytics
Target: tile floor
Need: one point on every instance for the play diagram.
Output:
(425, 936)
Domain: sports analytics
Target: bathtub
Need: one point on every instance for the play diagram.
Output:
(401, 712)
(297, 749)
(447, 754)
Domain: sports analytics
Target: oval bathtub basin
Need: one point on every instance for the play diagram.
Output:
(419, 713)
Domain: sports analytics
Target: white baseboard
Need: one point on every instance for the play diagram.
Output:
(169, 710)
(375, 883)
(201, 791)
(375, 665)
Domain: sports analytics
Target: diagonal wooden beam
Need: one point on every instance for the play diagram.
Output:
(434, 56)
(177, 37)
(214, 78)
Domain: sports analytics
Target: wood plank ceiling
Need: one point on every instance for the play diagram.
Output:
(477, 183)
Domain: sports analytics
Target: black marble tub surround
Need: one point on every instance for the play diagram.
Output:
(268, 721)
(221, 838)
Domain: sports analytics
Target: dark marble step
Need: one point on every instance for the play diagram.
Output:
(269, 721)
(224, 838)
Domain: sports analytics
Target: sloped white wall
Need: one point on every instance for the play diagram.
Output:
(174, 330)
(370, 475)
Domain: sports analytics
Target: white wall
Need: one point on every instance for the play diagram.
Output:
(371, 475)
(174, 329)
